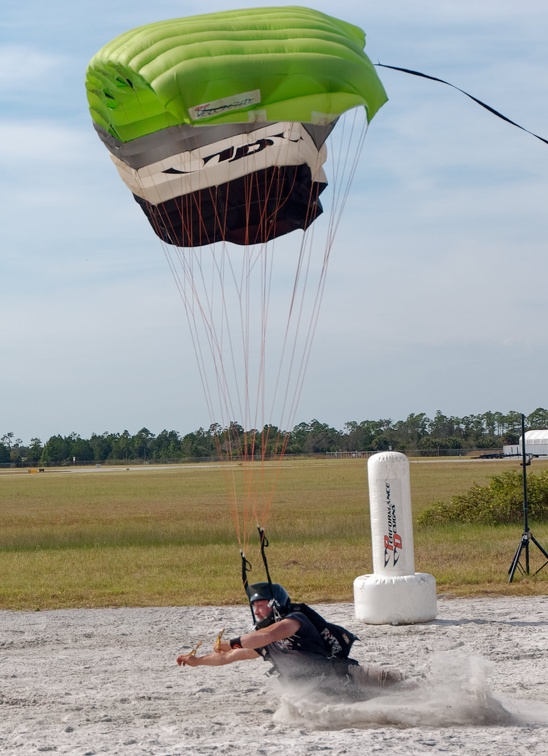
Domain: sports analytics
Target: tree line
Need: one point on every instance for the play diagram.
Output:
(419, 434)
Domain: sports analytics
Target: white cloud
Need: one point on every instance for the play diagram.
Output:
(28, 142)
(23, 67)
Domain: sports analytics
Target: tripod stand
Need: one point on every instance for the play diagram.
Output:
(526, 536)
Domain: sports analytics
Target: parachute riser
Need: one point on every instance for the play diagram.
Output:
(246, 567)
(264, 544)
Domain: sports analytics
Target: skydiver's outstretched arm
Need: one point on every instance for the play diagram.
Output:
(217, 659)
(224, 653)
(260, 638)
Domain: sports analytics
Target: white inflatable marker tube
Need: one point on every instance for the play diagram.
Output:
(390, 510)
(395, 594)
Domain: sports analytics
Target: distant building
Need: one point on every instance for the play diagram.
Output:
(536, 445)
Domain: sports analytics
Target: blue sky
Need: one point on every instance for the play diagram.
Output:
(436, 296)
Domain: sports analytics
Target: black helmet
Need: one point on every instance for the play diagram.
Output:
(273, 592)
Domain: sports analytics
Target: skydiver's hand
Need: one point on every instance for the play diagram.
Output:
(222, 647)
(191, 659)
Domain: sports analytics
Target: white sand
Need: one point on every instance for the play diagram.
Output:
(106, 681)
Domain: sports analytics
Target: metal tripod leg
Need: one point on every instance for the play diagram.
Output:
(523, 544)
(542, 551)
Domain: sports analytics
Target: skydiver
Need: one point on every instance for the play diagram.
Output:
(291, 642)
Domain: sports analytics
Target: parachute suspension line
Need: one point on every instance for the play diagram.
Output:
(192, 302)
(295, 314)
(236, 444)
(267, 492)
(188, 275)
(299, 284)
(251, 256)
(345, 168)
(296, 368)
(245, 314)
(245, 446)
(345, 165)
(301, 279)
(198, 296)
(270, 191)
(277, 448)
(190, 263)
(193, 273)
(298, 352)
(259, 420)
(262, 494)
(260, 491)
(191, 317)
(308, 334)
(342, 180)
(266, 292)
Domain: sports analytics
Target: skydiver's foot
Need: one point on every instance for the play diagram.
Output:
(377, 676)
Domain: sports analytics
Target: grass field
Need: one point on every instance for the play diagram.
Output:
(161, 536)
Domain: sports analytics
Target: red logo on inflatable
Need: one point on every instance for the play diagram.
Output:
(392, 541)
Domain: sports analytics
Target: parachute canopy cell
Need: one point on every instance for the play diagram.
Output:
(217, 122)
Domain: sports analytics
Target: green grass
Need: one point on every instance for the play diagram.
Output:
(168, 536)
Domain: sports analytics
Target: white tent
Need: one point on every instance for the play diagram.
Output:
(536, 442)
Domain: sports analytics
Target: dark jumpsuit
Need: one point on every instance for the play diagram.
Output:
(304, 656)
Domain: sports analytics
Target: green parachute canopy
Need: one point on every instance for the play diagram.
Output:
(263, 64)
(217, 122)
